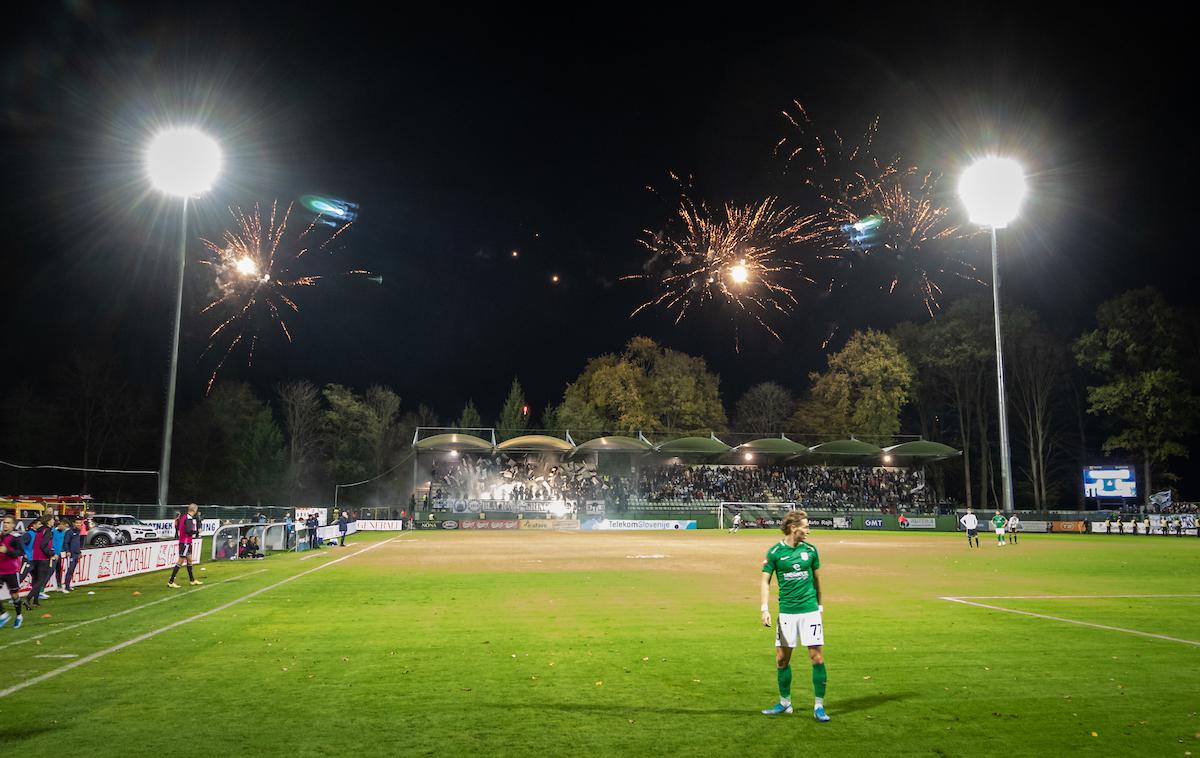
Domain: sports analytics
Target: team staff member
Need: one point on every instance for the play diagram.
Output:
(187, 528)
(43, 553)
(60, 536)
(342, 527)
(795, 562)
(12, 552)
(72, 549)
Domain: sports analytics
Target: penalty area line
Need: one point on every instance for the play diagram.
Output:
(174, 625)
(1048, 617)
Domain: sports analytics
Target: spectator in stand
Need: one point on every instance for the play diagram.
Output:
(72, 549)
(43, 552)
(343, 525)
(12, 552)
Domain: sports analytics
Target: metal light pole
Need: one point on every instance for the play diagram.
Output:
(164, 468)
(993, 189)
(1005, 452)
(182, 162)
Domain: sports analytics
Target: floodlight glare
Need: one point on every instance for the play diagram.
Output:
(992, 189)
(183, 162)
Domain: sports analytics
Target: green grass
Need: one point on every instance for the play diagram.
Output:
(566, 644)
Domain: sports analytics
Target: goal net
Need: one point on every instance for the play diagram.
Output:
(768, 515)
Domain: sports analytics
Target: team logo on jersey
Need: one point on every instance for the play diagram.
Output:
(796, 566)
(803, 557)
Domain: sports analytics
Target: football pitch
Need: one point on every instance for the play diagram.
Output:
(635, 643)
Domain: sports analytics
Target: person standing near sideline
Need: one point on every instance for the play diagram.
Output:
(43, 552)
(56, 563)
(72, 549)
(12, 552)
(186, 530)
(343, 524)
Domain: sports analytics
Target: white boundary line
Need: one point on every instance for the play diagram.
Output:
(965, 601)
(143, 637)
(1056, 597)
(175, 596)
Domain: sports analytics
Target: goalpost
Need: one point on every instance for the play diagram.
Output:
(751, 512)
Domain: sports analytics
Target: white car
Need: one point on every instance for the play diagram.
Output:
(133, 529)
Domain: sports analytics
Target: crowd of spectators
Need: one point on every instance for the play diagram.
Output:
(814, 487)
(515, 479)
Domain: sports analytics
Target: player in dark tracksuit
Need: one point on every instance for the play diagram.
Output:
(12, 553)
(73, 547)
(43, 551)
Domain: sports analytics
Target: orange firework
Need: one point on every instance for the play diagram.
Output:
(253, 264)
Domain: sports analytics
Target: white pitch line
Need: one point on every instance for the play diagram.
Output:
(135, 608)
(1074, 621)
(1057, 597)
(143, 637)
(64, 655)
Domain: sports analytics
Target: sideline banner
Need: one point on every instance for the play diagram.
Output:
(166, 527)
(837, 522)
(1069, 526)
(872, 523)
(557, 524)
(365, 525)
(1033, 526)
(489, 523)
(921, 522)
(637, 524)
(102, 564)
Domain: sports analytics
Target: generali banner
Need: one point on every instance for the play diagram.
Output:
(365, 525)
(107, 563)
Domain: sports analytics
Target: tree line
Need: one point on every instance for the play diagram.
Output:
(1125, 388)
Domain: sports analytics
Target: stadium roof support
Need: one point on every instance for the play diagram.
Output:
(921, 451)
(615, 444)
(851, 448)
(693, 446)
(456, 442)
(773, 446)
(536, 443)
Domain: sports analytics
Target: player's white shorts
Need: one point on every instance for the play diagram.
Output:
(806, 629)
(1000, 531)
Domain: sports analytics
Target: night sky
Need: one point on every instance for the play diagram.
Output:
(463, 138)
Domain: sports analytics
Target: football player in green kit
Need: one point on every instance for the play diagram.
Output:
(795, 562)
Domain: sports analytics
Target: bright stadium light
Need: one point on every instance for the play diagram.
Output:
(183, 162)
(992, 189)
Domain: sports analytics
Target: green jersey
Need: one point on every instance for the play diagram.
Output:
(999, 521)
(794, 568)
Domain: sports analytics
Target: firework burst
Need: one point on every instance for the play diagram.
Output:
(739, 255)
(879, 212)
(254, 275)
